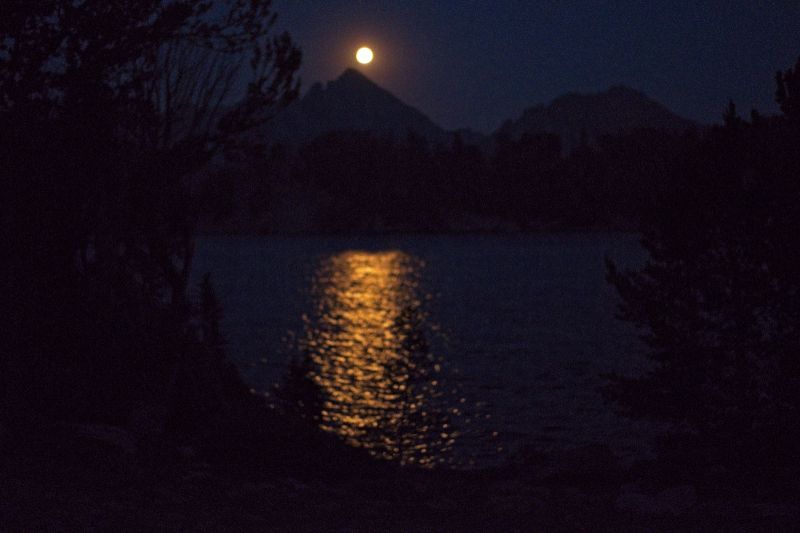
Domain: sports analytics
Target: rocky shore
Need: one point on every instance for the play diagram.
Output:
(98, 478)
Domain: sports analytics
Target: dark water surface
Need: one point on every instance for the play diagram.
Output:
(435, 349)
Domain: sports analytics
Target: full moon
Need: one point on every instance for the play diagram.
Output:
(364, 55)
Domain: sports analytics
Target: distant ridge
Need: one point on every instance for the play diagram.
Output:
(616, 110)
(351, 102)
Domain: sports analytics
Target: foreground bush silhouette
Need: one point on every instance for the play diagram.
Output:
(107, 110)
(718, 300)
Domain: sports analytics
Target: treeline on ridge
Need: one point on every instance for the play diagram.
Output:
(355, 181)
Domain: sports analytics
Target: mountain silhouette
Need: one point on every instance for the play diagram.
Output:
(572, 116)
(351, 102)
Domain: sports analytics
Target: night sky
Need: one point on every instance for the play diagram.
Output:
(469, 63)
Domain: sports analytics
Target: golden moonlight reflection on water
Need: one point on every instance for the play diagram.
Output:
(369, 356)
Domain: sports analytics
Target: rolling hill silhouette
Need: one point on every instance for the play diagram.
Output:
(619, 109)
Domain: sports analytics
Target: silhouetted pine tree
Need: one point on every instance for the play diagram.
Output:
(718, 303)
(106, 110)
(788, 92)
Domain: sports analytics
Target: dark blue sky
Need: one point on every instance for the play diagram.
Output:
(470, 63)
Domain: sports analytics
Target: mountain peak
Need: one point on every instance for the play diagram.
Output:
(616, 110)
(353, 78)
(351, 73)
(352, 102)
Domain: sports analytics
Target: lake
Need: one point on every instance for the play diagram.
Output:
(431, 350)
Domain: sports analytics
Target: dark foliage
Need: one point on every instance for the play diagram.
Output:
(718, 299)
(354, 181)
(107, 108)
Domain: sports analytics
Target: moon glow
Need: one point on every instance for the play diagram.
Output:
(364, 55)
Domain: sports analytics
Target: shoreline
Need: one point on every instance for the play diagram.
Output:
(90, 483)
